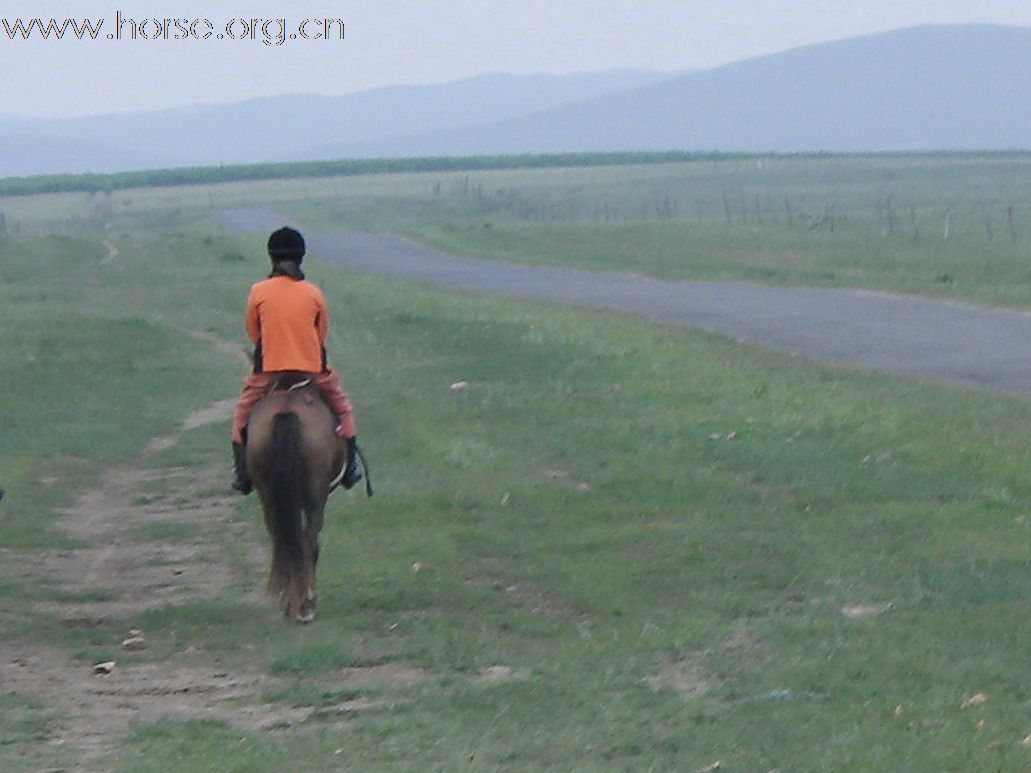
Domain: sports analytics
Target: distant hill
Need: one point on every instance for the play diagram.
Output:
(33, 155)
(287, 128)
(923, 88)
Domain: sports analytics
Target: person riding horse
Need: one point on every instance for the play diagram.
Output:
(287, 320)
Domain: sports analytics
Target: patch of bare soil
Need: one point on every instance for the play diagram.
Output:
(144, 536)
(134, 555)
(532, 600)
(562, 477)
(684, 676)
(693, 675)
(112, 253)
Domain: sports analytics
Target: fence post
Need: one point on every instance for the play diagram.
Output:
(987, 220)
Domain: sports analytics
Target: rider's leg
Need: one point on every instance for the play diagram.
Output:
(328, 385)
(255, 385)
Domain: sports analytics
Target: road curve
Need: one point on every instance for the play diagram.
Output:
(900, 334)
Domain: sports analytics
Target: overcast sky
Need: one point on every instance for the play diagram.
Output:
(414, 41)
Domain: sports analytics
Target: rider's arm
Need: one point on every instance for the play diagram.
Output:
(322, 319)
(253, 318)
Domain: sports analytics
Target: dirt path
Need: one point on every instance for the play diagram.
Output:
(125, 567)
(112, 253)
(902, 334)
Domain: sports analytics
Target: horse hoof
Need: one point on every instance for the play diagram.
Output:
(307, 611)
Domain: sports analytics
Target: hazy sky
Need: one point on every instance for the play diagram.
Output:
(413, 41)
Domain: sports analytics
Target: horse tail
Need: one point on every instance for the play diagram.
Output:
(288, 476)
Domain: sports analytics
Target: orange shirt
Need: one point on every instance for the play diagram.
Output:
(288, 318)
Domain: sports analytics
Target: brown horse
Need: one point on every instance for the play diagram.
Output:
(294, 458)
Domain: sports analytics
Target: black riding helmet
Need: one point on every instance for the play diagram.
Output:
(286, 244)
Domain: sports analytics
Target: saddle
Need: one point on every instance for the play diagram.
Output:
(292, 381)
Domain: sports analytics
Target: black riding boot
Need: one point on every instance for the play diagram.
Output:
(351, 472)
(241, 480)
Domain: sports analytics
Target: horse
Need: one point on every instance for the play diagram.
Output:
(295, 460)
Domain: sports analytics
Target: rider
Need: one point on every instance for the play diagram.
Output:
(287, 320)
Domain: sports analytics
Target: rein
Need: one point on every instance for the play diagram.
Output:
(365, 469)
(365, 466)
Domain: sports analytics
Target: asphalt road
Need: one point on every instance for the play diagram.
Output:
(901, 334)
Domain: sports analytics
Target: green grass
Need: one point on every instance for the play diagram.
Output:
(27, 728)
(660, 531)
(205, 745)
(23, 720)
(839, 489)
(82, 390)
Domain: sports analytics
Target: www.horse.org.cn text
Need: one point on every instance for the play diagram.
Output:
(269, 32)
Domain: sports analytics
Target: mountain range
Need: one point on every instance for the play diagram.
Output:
(286, 128)
(927, 88)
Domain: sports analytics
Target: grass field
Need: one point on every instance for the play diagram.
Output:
(622, 547)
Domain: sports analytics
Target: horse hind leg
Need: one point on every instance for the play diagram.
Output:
(315, 513)
(286, 581)
(305, 586)
(294, 596)
(297, 599)
(309, 601)
(313, 525)
(279, 570)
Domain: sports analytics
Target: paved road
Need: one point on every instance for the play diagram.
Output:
(901, 334)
